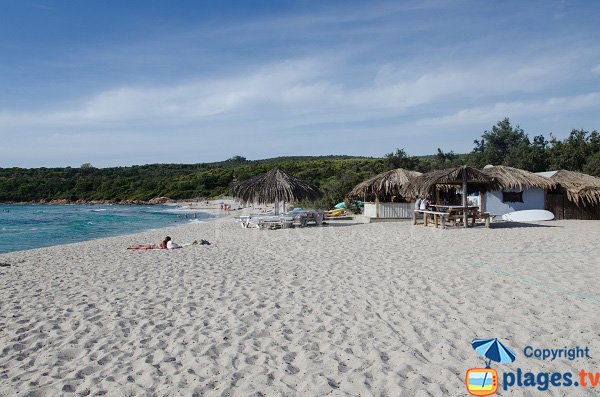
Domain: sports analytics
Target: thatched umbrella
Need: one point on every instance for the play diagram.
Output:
(514, 178)
(463, 176)
(382, 185)
(273, 187)
(579, 187)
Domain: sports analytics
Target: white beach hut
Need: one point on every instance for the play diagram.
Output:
(520, 190)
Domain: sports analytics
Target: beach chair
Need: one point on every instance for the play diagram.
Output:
(268, 221)
(303, 217)
(275, 222)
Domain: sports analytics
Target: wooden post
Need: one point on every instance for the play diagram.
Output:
(464, 198)
(481, 202)
(377, 206)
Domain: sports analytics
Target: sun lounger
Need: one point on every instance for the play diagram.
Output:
(275, 222)
(282, 221)
(262, 221)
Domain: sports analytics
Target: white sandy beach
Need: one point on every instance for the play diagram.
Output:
(386, 309)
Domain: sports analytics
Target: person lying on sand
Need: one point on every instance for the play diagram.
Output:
(167, 243)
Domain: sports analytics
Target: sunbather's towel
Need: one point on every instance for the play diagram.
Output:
(144, 247)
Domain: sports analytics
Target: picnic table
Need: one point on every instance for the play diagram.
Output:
(443, 213)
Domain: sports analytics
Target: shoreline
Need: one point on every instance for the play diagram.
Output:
(129, 236)
(185, 209)
(181, 214)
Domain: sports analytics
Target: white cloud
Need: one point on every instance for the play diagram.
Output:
(288, 101)
(290, 82)
(497, 111)
(292, 88)
(295, 89)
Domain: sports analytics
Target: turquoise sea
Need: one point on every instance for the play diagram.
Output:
(33, 226)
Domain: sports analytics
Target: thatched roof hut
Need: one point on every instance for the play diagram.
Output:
(426, 184)
(580, 188)
(273, 187)
(383, 185)
(514, 178)
(468, 178)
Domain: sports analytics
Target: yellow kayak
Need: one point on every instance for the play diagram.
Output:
(334, 213)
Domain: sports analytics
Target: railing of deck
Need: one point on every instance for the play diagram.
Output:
(389, 210)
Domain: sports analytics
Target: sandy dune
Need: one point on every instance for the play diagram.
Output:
(383, 309)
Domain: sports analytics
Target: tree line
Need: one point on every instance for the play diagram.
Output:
(335, 176)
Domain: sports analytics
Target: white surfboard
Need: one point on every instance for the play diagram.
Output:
(528, 216)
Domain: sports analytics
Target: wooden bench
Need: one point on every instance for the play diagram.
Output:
(443, 217)
(486, 217)
(438, 217)
(472, 216)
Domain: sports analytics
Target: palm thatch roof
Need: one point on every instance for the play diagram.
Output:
(445, 179)
(383, 185)
(514, 178)
(274, 186)
(580, 188)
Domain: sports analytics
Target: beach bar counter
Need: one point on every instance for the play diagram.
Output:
(381, 195)
(389, 210)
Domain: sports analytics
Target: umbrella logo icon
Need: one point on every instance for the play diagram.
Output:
(484, 381)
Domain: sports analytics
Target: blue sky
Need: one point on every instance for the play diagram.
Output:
(135, 82)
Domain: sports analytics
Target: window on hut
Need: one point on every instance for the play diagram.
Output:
(512, 197)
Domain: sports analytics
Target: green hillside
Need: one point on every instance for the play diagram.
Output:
(333, 175)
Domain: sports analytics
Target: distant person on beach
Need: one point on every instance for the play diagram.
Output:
(423, 204)
(168, 243)
(172, 245)
(164, 243)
